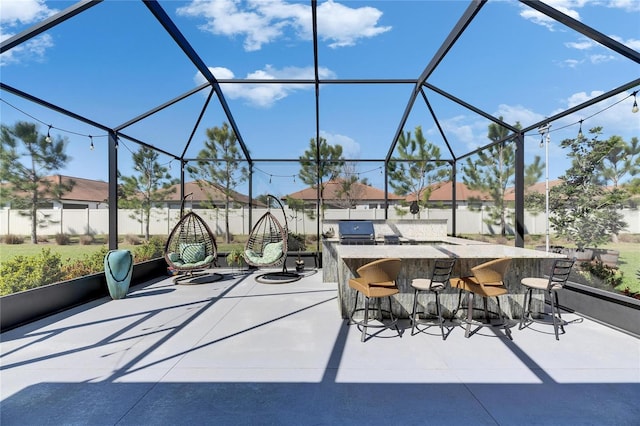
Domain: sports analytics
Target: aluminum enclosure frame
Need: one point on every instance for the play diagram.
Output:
(420, 83)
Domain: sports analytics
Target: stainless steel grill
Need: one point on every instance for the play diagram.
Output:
(356, 232)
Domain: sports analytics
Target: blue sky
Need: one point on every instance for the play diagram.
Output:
(114, 62)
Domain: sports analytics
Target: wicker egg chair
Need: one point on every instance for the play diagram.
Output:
(191, 249)
(267, 246)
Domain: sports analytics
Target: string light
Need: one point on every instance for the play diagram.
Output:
(48, 138)
(91, 147)
(634, 108)
(580, 135)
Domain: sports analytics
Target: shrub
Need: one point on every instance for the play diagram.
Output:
(89, 264)
(13, 239)
(25, 272)
(86, 240)
(62, 239)
(152, 249)
(296, 242)
(134, 240)
(611, 276)
(42, 238)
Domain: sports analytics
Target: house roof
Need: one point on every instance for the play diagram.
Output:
(332, 188)
(201, 191)
(539, 187)
(441, 191)
(83, 189)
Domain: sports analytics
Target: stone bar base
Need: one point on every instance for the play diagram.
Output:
(341, 261)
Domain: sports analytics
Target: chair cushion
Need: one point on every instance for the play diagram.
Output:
(375, 290)
(271, 253)
(471, 284)
(425, 284)
(174, 257)
(192, 252)
(538, 283)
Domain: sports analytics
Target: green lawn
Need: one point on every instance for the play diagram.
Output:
(71, 251)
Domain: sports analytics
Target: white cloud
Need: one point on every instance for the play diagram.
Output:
(14, 13)
(261, 22)
(613, 115)
(627, 5)
(583, 44)
(565, 6)
(598, 59)
(632, 43)
(459, 129)
(33, 49)
(265, 95)
(350, 148)
(513, 114)
(571, 63)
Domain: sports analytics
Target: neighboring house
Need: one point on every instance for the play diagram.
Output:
(93, 194)
(358, 196)
(85, 194)
(442, 195)
(540, 187)
(203, 196)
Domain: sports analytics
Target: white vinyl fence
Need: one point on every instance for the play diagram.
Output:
(96, 221)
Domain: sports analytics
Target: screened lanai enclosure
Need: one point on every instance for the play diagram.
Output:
(284, 80)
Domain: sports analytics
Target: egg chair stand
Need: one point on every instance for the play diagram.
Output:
(267, 247)
(191, 249)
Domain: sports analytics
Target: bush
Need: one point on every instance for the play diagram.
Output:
(13, 239)
(134, 240)
(296, 242)
(152, 249)
(611, 276)
(25, 272)
(89, 264)
(62, 239)
(86, 240)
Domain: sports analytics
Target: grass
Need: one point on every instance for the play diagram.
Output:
(71, 252)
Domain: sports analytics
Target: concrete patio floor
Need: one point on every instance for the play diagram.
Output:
(237, 352)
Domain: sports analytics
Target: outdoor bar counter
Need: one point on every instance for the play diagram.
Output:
(340, 262)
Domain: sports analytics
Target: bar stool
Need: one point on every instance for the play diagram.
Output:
(440, 275)
(487, 281)
(376, 280)
(559, 275)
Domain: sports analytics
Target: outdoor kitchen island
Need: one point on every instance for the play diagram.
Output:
(418, 246)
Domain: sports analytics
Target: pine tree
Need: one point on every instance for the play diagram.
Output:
(26, 158)
(146, 189)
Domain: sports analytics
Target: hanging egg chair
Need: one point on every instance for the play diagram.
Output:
(267, 246)
(191, 249)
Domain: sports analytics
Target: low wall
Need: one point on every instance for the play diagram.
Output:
(27, 306)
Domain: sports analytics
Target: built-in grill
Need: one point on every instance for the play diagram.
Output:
(356, 232)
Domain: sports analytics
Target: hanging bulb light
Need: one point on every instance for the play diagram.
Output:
(117, 143)
(48, 138)
(541, 141)
(580, 135)
(91, 147)
(269, 178)
(634, 108)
